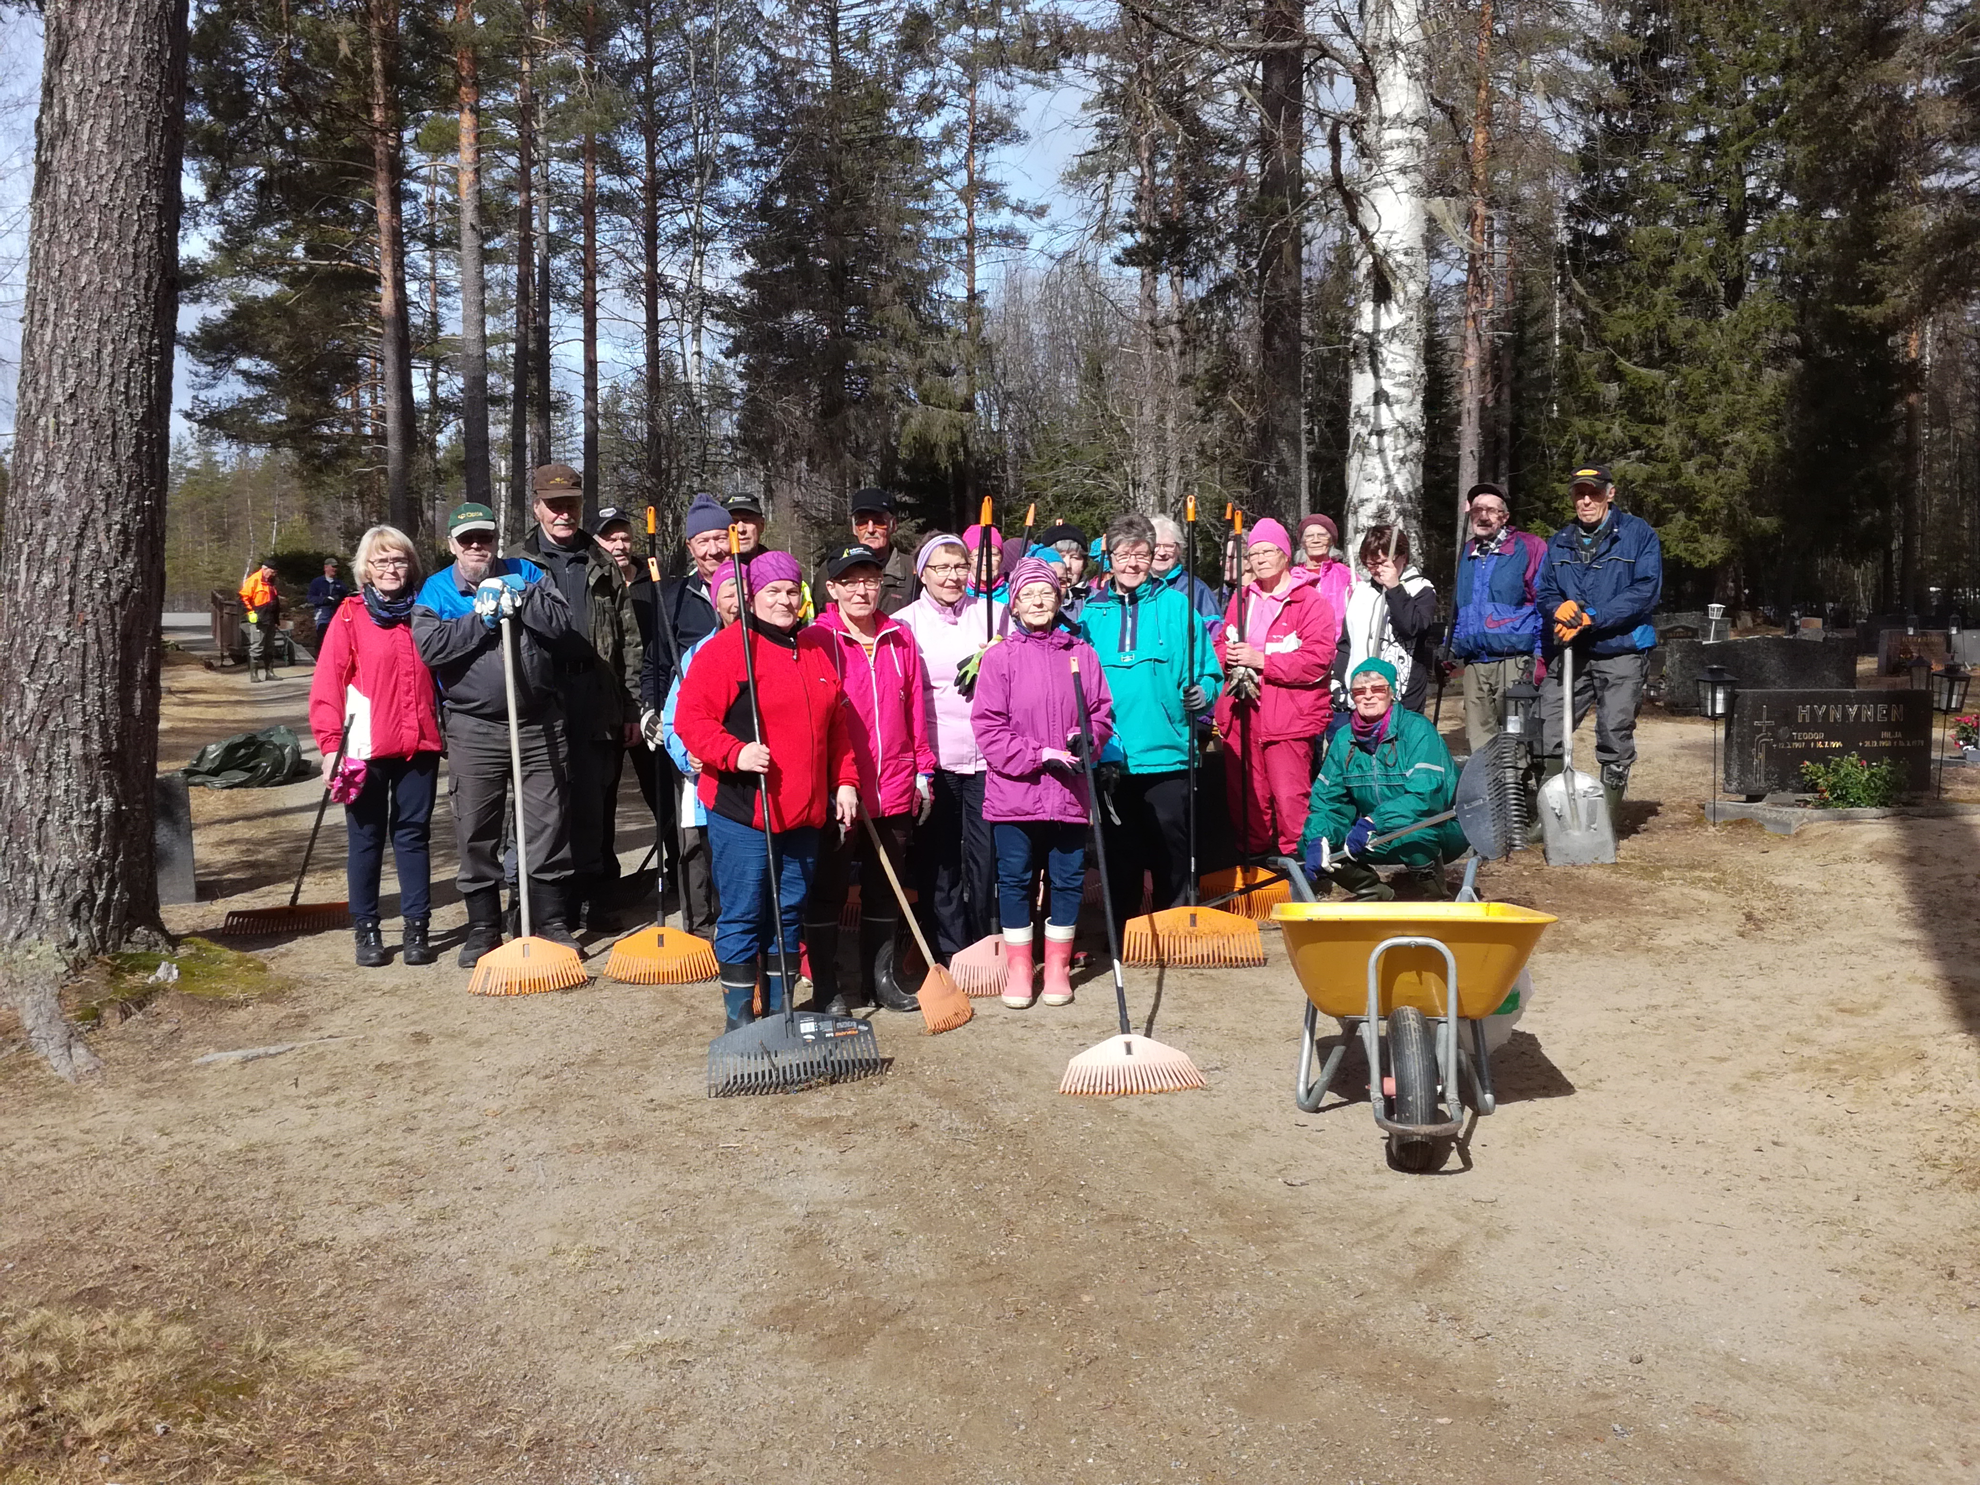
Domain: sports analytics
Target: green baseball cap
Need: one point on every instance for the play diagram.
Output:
(470, 516)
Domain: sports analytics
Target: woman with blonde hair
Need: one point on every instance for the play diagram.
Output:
(372, 698)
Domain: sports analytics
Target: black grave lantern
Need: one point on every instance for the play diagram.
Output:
(1921, 672)
(1716, 685)
(1949, 687)
(1519, 706)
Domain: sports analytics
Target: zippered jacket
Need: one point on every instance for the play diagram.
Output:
(1143, 645)
(806, 723)
(947, 635)
(1617, 578)
(1495, 610)
(371, 674)
(1295, 629)
(1024, 704)
(1396, 624)
(599, 662)
(1409, 777)
(888, 692)
(465, 655)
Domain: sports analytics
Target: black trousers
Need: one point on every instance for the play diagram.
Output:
(594, 806)
(1152, 835)
(956, 866)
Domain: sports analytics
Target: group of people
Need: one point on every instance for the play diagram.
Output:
(943, 707)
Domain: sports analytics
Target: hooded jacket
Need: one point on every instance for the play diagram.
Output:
(806, 724)
(1409, 777)
(1024, 703)
(1396, 624)
(465, 655)
(1143, 643)
(888, 692)
(371, 673)
(947, 634)
(1296, 628)
(1617, 578)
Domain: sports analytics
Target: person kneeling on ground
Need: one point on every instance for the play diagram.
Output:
(802, 763)
(1385, 771)
(1027, 723)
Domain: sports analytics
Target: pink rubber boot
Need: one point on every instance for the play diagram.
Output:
(1058, 963)
(1017, 959)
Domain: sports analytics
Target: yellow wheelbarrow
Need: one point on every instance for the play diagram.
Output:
(1387, 971)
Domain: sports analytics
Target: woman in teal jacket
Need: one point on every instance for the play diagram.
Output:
(1141, 629)
(1386, 770)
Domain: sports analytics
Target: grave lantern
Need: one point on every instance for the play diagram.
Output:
(1921, 672)
(1519, 718)
(1716, 686)
(1519, 704)
(1910, 626)
(1955, 621)
(1949, 687)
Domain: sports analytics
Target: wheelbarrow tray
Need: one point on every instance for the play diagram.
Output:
(1330, 943)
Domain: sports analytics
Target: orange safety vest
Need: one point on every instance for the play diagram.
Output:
(257, 591)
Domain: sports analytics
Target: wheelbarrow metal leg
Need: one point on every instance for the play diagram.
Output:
(1309, 1093)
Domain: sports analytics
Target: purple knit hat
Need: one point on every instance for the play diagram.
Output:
(1029, 571)
(1271, 533)
(1333, 531)
(766, 568)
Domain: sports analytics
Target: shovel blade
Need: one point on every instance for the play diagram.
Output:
(1574, 821)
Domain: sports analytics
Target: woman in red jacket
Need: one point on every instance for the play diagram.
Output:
(804, 762)
(1277, 644)
(369, 676)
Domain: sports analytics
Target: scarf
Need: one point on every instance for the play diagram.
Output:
(385, 612)
(1368, 735)
(1482, 547)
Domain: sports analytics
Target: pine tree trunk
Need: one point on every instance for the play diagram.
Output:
(1473, 370)
(78, 654)
(588, 292)
(394, 330)
(1385, 393)
(474, 292)
(521, 372)
(539, 355)
(1275, 462)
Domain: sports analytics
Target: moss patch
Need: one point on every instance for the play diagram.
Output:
(118, 986)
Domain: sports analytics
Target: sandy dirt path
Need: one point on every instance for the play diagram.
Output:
(1722, 1228)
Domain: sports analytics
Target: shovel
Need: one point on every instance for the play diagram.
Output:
(1574, 813)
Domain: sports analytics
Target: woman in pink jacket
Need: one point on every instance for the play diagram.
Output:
(369, 676)
(955, 860)
(880, 668)
(1027, 723)
(1277, 644)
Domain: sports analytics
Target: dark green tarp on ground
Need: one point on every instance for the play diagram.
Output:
(249, 760)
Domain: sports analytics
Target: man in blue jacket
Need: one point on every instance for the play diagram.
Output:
(1599, 585)
(1495, 630)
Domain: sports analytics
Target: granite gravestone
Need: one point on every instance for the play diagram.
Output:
(1772, 733)
(1764, 663)
(172, 839)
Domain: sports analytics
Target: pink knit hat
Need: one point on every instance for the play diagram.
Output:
(1030, 571)
(1271, 533)
(766, 568)
(972, 538)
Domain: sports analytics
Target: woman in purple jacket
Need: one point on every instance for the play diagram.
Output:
(1034, 794)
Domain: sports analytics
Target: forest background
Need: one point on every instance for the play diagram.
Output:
(798, 248)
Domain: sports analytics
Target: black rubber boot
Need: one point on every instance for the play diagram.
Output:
(370, 944)
(821, 940)
(547, 912)
(414, 947)
(738, 983)
(880, 964)
(484, 930)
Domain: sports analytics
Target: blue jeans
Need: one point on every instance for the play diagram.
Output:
(742, 884)
(1020, 847)
(398, 801)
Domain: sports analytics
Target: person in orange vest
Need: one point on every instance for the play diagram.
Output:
(262, 602)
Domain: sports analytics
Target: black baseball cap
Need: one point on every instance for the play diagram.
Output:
(744, 505)
(1591, 474)
(845, 559)
(1487, 487)
(873, 498)
(610, 515)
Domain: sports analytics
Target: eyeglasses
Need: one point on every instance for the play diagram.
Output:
(947, 569)
(858, 584)
(395, 562)
(1368, 690)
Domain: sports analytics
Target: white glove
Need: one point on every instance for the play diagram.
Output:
(651, 730)
(488, 600)
(925, 787)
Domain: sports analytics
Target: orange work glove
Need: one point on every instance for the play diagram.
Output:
(1569, 620)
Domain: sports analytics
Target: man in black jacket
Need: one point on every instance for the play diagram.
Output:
(873, 528)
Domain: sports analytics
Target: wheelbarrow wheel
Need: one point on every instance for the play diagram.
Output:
(1413, 1067)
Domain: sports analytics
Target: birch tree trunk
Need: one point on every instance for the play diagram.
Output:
(394, 329)
(1385, 394)
(588, 290)
(474, 292)
(1473, 365)
(78, 654)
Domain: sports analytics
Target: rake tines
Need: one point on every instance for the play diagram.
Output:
(309, 917)
(943, 1005)
(527, 966)
(781, 1054)
(981, 968)
(662, 956)
(1193, 938)
(1130, 1064)
(1249, 891)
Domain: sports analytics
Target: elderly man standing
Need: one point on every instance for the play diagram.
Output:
(455, 626)
(1495, 630)
(1599, 585)
(598, 676)
(873, 526)
(325, 593)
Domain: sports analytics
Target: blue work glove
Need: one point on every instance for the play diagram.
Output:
(1316, 863)
(496, 598)
(1358, 836)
